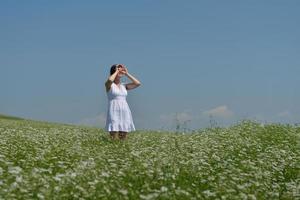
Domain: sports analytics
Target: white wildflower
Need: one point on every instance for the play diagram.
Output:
(14, 185)
(104, 174)
(251, 196)
(208, 193)
(180, 191)
(123, 191)
(19, 179)
(58, 177)
(163, 189)
(14, 170)
(40, 196)
(149, 196)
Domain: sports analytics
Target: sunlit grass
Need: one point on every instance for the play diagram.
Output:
(52, 161)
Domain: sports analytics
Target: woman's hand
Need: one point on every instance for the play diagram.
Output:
(123, 70)
(119, 70)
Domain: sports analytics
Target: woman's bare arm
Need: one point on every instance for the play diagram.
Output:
(135, 82)
(110, 80)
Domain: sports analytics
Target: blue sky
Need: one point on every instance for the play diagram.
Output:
(227, 59)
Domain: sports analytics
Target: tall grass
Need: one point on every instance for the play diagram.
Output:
(51, 161)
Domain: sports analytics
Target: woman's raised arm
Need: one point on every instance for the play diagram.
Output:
(111, 79)
(135, 82)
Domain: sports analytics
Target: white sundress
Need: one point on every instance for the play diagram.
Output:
(119, 116)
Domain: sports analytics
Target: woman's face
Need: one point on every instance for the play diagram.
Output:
(120, 74)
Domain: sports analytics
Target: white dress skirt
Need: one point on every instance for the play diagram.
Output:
(119, 116)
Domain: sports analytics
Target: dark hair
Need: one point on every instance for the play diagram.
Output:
(113, 69)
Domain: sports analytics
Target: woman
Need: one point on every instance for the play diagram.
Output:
(119, 119)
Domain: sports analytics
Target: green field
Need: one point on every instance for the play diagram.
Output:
(40, 160)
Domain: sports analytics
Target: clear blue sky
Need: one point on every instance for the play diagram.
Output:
(227, 59)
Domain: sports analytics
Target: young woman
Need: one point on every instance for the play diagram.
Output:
(119, 119)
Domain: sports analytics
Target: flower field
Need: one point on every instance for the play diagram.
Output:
(40, 160)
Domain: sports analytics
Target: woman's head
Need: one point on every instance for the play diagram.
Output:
(114, 68)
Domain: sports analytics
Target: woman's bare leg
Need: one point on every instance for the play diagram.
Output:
(122, 135)
(114, 135)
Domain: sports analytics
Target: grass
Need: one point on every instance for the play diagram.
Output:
(10, 117)
(40, 160)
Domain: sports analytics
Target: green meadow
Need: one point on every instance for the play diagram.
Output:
(249, 160)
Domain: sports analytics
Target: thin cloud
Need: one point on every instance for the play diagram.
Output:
(220, 111)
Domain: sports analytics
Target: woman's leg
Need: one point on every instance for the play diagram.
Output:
(122, 135)
(114, 135)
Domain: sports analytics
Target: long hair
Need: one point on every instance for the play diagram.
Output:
(113, 69)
